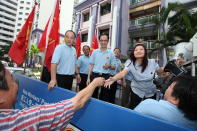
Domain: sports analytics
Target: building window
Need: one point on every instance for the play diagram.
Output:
(26, 13)
(105, 9)
(28, 3)
(19, 24)
(84, 37)
(142, 21)
(136, 1)
(27, 8)
(18, 30)
(20, 13)
(104, 31)
(86, 16)
(21, 7)
(145, 20)
(19, 18)
(22, 2)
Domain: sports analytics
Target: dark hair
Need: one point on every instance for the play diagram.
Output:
(145, 58)
(3, 82)
(185, 90)
(104, 35)
(86, 46)
(117, 48)
(70, 31)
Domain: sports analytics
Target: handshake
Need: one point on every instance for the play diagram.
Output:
(100, 81)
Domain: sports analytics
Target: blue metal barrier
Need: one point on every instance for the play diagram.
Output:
(96, 115)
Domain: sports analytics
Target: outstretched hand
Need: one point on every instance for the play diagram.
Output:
(99, 81)
(108, 82)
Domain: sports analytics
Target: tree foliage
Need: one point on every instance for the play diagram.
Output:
(181, 25)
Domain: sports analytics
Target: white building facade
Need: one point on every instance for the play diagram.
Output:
(104, 16)
(23, 10)
(8, 9)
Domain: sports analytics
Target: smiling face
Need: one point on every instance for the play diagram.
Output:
(8, 96)
(103, 41)
(86, 50)
(139, 52)
(117, 52)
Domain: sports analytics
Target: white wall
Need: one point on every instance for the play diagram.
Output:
(66, 12)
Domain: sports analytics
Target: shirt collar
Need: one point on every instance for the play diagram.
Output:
(102, 51)
(65, 45)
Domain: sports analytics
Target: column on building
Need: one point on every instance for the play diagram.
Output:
(124, 22)
(78, 21)
(93, 19)
(115, 24)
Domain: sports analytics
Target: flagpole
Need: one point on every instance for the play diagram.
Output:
(47, 34)
(26, 58)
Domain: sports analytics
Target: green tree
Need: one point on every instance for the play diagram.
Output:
(183, 25)
(4, 50)
(32, 54)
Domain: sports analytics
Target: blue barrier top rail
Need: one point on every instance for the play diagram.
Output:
(96, 115)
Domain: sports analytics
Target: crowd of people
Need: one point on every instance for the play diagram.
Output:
(97, 75)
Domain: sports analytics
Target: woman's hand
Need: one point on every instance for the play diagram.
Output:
(108, 82)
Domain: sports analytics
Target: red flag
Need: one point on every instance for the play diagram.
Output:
(78, 45)
(42, 43)
(17, 51)
(94, 43)
(54, 37)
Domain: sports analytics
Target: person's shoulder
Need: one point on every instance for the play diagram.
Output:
(73, 48)
(96, 51)
(59, 47)
(110, 51)
(80, 57)
(152, 61)
(119, 61)
(149, 101)
(145, 105)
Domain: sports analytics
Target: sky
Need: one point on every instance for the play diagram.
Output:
(65, 14)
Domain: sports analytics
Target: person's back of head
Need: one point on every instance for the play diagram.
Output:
(185, 90)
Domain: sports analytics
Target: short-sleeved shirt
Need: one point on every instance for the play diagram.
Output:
(166, 111)
(117, 64)
(100, 58)
(65, 58)
(129, 76)
(41, 117)
(83, 63)
(142, 82)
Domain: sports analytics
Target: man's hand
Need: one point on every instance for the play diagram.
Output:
(88, 81)
(78, 78)
(52, 83)
(180, 61)
(112, 67)
(99, 81)
(106, 66)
